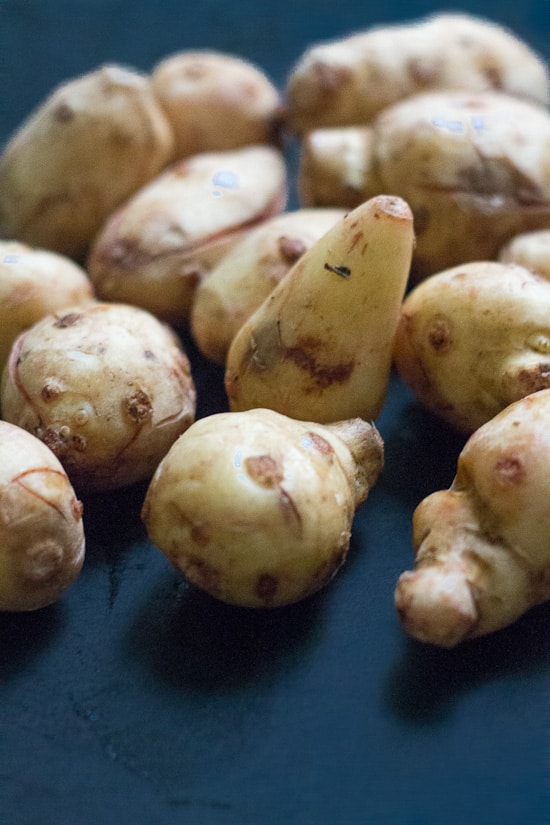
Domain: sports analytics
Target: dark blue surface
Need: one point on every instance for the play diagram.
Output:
(139, 701)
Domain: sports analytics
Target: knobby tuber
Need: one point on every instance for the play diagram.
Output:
(256, 508)
(482, 548)
(107, 387)
(349, 80)
(474, 338)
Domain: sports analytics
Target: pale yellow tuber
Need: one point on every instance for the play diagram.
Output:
(529, 249)
(42, 541)
(474, 168)
(92, 143)
(474, 338)
(249, 272)
(482, 546)
(216, 101)
(319, 348)
(154, 250)
(349, 80)
(256, 508)
(33, 283)
(107, 387)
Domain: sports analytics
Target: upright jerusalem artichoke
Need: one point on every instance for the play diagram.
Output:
(319, 347)
(483, 546)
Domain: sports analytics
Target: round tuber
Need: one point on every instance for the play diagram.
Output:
(42, 541)
(106, 387)
(256, 508)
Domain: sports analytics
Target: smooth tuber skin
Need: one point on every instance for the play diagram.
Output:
(33, 283)
(473, 166)
(42, 541)
(92, 143)
(474, 338)
(249, 272)
(529, 249)
(106, 387)
(256, 508)
(348, 81)
(154, 250)
(216, 101)
(482, 548)
(319, 348)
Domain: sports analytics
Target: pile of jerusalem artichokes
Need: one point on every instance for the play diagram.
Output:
(134, 206)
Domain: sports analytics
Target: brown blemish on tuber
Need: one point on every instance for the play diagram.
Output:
(139, 406)
(323, 376)
(68, 320)
(266, 587)
(440, 334)
(510, 470)
(291, 249)
(321, 444)
(264, 470)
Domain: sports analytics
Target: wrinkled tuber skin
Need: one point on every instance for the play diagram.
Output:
(474, 338)
(256, 508)
(348, 81)
(107, 388)
(216, 101)
(155, 249)
(529, 249)
(244, 278)
(319, 347)
(96, 140)
(474, 168)
(34, 283)
(42, 541)
(482, 550)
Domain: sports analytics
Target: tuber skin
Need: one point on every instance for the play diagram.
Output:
(319, 348)
(33, 283)
(216, 101)
(42, 542)
(529, 249)
(154, 250)
(474, 168)
(107, 388)
(348, 81)
(474, 338)
(249, 272)
(256, 508)
(482, 550)
(92, 143)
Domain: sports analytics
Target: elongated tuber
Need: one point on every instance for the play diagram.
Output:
(256, 508)
(473, 167)
(320, 346)
(154, 250)
(249, 272)
(482, 546)
(92, 143)
(349, 80)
